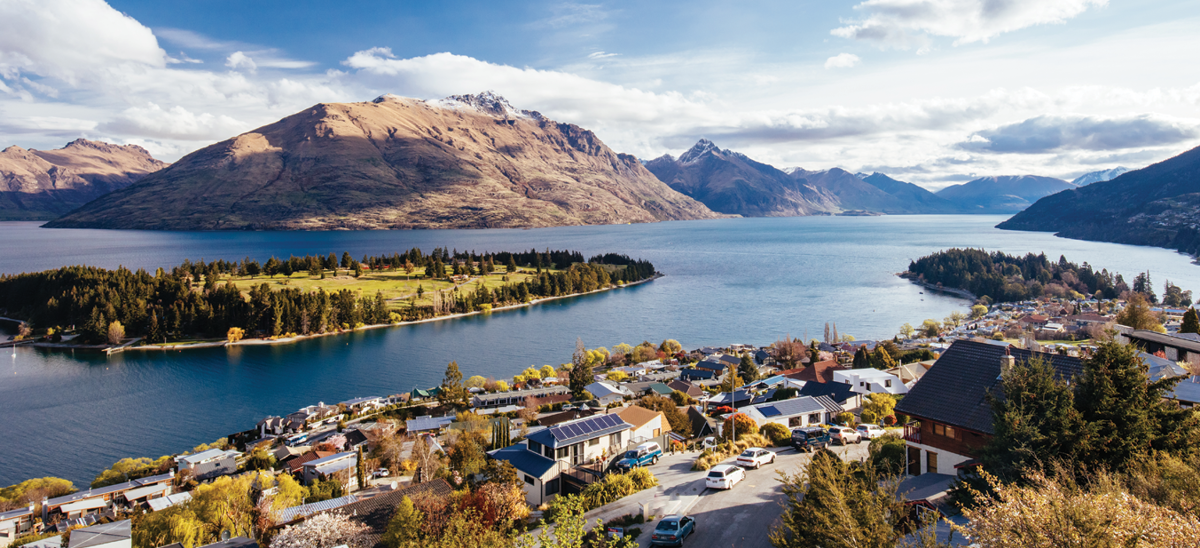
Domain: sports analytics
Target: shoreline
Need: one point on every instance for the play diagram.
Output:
(932, 287)
(126, 347)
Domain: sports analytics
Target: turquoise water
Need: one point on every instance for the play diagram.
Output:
(733, 280)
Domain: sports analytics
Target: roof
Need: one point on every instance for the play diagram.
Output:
(602, 389)
(288, 515)
(711, 365)
(661, 389)
(428, 423)
(820, 372)
(376, 512)
(572, 432)
(1161, 368)
(162, 503)
(1166, 340)
(357, 401)
(134, 494)
(789, 408)
(236, 542)
(685, 387)
(525, 461)
(954, 391)
(696, 373)
(299, 462)
(835, 391)
(1187, 391)
(700, 422)
(526, 393)
(100, 535)
(638, 416)
(204, 456)
(89, 493)
(23, 511)
(331, 458)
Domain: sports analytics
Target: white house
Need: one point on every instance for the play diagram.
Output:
(794, 413)
(209, 464)
(871, 381)
(647, 424)
(15, 523)
(539, 475)
(608, 393)
(343, 466)
(550, 451)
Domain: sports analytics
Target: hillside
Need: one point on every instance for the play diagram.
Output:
(1001, 194)
(1099, 176)
(1158, 205)
(918, 198)
(43, 184)
(469, 161)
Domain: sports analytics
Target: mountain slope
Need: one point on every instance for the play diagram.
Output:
(43, 184)
(1158, 205)
(468, 161)
(1002, 194)
(1099, 176)
(920, 199)
(729, 182)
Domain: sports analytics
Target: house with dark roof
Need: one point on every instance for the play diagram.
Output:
(702, 425)
(582, 441)
(1174, 347)
(377, 511)
(686, 387)
(951, 403)
(539, 475)
(841, 394)
(821, 371)
(692, 374)
(712, 365)
(794, 413)
(340, 466)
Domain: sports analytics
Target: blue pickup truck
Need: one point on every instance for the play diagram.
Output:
(644, 454)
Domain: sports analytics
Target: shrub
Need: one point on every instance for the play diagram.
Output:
(889, 420)
(739, 424)
(868, 416)
(845, 417)
(607, 490)
(642, 478)
(779, 435)
(727, 449)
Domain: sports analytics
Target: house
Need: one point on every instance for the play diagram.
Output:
(15, 523)
(105, 535)
(426, 394)
(1187, 392)
(702, 425)
(517, 397)
(296, 513)
(276, 426)
(794, 413)
(535, 403)
(583, 440)
(841, 394)
(296, 465)
(376, 512)
(567, 416)
(712, 365)
(910, 373)
(539, 475)
(1174, 347)
(951, 403)
(426, 423)
(608, 393)
(821, 371)
(870, 381)
(761, 357)
(343, 466)
(209, 464)
(647, 424)
(96, 501)
(631, 370)
(235, 542)
(691, 374)
(360, 405)
(1161, 368)
(686, 387)
(739, 398)
(162, 503)
(659, 389)
(728, 360)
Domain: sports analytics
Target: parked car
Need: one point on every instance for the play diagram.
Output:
(381, 473)
(810, 438)
(844, 435)
(871, 431)
(671, 531)
(724, 476)
(644, 454)
(755, 457)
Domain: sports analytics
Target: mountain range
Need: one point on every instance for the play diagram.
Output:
(470, 161)
(1099, 176)
(1158, 205)
(1002, 194)
(44, 184)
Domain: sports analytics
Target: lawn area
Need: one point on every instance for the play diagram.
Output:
(396, 285)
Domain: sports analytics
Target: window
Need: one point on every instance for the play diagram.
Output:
(657, 432)
(564, 452)
(552, 487)
(931, 462)
(939, 429)
(794, 421)
(887, 383)
(868, 387)
(950, 432)
(529, 479)
(814, 418)
(535, 447)
(593, 442)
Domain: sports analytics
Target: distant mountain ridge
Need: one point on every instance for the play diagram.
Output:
(467, 161)
(1099, 176)
(1002, 194)
(43, 184)
(1157, 205)
(730, 182)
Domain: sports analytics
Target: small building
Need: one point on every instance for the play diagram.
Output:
(1174, 347)
(96, 501)
(105, 535)
(424, 394)
(360, 405)
(693, 374)
(340, 466)
(426, 423)
(608, 393)
(647, 424)
(15, 523)
(517, 397)
(794, 413)
(209, 464)
(871, 381)
(278, 426)
(539, 475)
(162, 503)
(582, 441)
(686, 387)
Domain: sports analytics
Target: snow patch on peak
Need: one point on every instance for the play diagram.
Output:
(489, 103)
(387, 97)
(702, 147)
(1100, 176)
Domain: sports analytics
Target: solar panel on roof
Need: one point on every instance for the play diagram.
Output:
(769, 411)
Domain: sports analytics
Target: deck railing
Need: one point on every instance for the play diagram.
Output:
(912, 432)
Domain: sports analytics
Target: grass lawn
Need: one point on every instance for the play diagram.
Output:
(396, 285)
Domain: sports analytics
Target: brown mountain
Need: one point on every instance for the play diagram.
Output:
(463, 162)
(43, 184)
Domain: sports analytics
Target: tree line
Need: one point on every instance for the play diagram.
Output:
(190, 299)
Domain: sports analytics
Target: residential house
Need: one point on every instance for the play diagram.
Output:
(342, 466)
(632, 370)
(361, 405)
(702, 425)
(1187, 392)
(1160, 368)
(740, 397)
(762, 357)
(116, 534)
(539, 475)
(582, 441)
(871, 381)
(535, 403)
(647, 424)
(424, 394)
(15, 523)
(659, 389)
(841, 394)
(794, 413)
(729, 361)
(426, 423)
(821, 371)
(162, 503)
(96, 501)
(277, 426)
(209, 464)
(692, 374)
(566, 416)
(297, 513)
(377, 511)
(296, 465)
(608, 393)
(1174, 347)
(910, 373)
(712, 365)
(686, 387)
(951, 403)
(517, 397)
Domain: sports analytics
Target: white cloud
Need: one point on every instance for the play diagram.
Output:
(601, 55)
(238, 60)
(842, 60)
(906, 24)
(177, 122)
(1054, 133)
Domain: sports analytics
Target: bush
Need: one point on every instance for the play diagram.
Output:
(889, 420)
(739, 424)
(642, 478)
(868, 416)
(888, 454)
(607, 490)
(779, 435)
(727, 449)
(845, 418)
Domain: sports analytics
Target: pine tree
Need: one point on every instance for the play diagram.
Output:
(1191, 322)
(862, 358)
(154, 331)
(452, 391)
(581, 370)
(747, 369)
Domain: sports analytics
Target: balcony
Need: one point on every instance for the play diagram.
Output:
(912, 432)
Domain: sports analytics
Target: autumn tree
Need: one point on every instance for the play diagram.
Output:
(670, 347)
(452, 391)
(1137, 314)
(324, 530)
(731, 381)
(581, 370)
(116, 333)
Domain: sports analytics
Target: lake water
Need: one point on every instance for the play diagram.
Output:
(727, 281)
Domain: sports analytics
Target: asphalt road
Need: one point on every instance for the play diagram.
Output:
(744, 515)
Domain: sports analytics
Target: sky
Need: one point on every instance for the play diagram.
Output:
(936, 92)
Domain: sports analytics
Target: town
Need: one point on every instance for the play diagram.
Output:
(655, 444)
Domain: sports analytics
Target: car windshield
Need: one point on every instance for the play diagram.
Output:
(631, 454)
(671, 525)
(716, 474)
(748, 453)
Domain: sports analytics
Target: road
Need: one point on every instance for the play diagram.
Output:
(742, 516)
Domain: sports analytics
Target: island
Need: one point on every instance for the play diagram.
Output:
(199, 304)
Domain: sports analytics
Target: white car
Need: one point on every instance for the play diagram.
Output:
(755, 457)
(724, 476)
(871, 431)
(844, 435)
(381, 473)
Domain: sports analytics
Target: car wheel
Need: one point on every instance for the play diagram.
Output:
(772, 459)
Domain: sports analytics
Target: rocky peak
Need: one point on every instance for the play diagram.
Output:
(702, 147)
(488, 102)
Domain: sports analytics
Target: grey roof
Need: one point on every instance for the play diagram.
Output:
(526, 393)
(834, 391)
(1161, 368)
(24, 510)
(567, 433)
(330, 458)
(1187, 391)
(89, 493)
(696, 373)
(207, 455)
(829, 404)
(1167, 340)
(288, 515)
(357, 401)
(954, 391)
(236, 542)
(99, 535)
(711, 365)
(788, 408)
(525, 460)
(428, 423)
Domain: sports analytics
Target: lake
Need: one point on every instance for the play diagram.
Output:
(727, 281)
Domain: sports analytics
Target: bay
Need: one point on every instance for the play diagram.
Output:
(731, 280)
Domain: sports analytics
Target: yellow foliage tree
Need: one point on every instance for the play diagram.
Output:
(234, 334)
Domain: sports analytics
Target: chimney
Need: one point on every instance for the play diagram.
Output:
(1006, 362)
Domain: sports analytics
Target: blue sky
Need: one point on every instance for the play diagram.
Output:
(932, 91)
